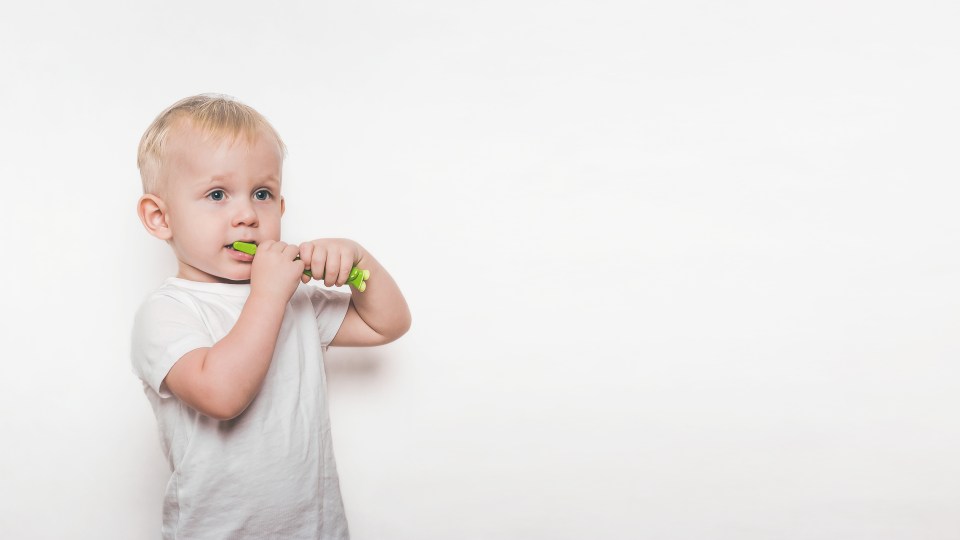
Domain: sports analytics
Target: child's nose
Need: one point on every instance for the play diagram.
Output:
(244, 214)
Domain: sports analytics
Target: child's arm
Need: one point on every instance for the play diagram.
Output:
(376, 316)
(221, 381)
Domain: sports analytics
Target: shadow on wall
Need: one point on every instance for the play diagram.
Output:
(355, 362)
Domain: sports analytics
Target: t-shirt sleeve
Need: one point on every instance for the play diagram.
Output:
(164, 329)
(330, 306)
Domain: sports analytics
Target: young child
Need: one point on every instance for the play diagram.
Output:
(230, 351)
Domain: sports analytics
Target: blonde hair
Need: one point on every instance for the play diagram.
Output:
(213, 114)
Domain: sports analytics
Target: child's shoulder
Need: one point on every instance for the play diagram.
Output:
(167, 297)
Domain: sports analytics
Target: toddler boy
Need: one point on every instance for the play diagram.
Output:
(230, 350)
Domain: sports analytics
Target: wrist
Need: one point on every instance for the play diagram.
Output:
(362, 256)
(265, 302)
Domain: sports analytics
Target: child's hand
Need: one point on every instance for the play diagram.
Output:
(330, 259)
(275, 270)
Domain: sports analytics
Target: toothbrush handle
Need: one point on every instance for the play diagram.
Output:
(357, 277)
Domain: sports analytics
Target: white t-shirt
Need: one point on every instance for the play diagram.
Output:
(270, 472)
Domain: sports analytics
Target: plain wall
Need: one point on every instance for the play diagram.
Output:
(678, 270)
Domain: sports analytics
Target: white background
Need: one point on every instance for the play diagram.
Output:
(678, 270)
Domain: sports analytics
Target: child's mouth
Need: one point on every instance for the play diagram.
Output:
(230, 245)
(239, 255)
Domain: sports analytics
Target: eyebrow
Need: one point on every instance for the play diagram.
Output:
(263, 180)
(270, 179)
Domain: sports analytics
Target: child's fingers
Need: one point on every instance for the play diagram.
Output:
(291, 250)
(346, 264)
(306, 254)
(291, 253)
(332, 268)
(272, 245)
(317, 263)
(265, 245)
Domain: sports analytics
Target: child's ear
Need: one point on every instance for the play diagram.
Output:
(153, 214)
(282, 205)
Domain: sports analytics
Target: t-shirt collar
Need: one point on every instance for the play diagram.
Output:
(231, 289)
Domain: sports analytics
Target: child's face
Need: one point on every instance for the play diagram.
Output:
(220, 191)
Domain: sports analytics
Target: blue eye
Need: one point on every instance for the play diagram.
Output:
(268, 195)
(212, 193)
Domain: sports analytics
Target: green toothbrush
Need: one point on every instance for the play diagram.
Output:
(357, 276)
